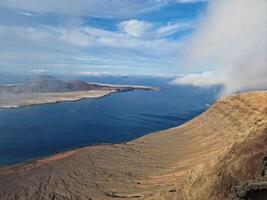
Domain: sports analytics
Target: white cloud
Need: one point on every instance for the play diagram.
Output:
(174, 27)
(179, 1)
(190, 1)
(119, 74)
(51, 34)
(204, 79)
(103, 8)
(57, 48)
(75, 8)
(100, 74)
(137, 28)
(40, 71)
(232, 40)
(134, 27)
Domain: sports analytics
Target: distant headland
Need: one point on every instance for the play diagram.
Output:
(48, 89)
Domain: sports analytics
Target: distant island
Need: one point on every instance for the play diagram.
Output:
(48, 89)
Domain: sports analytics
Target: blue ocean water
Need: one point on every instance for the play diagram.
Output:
(37, 131)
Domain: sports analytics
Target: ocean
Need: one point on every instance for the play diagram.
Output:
(33, 132)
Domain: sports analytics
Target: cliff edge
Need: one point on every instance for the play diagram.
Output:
(219, 155)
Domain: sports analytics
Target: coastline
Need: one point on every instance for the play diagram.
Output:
(34, 99)
(176, 163)
(55, 101)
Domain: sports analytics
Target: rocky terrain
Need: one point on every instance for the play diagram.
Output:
(219, 155)
(48, 89)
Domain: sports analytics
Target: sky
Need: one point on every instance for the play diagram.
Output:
(198, 42)
(92, 36)
(231, 41)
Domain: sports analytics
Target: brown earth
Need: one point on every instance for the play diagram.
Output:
(219, 155)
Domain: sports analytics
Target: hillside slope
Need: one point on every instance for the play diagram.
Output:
(219, 155)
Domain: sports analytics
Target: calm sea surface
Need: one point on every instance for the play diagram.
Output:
(38, 131)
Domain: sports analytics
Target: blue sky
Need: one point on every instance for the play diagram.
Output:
(198, 42)
(91, 36)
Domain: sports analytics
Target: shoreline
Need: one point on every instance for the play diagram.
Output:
(55, 102)
(88, 146)
(183, 162)
(59, 153)
(35, 99)
(37, 159)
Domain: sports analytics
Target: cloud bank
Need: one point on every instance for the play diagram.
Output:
(204, 79)
(231, 41)
(103, 8)
(134, 27)
(89, 35)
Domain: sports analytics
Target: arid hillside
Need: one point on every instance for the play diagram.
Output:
(219, 155)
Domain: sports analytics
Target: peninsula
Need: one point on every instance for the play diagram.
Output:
(48, 89)
(219, 155)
